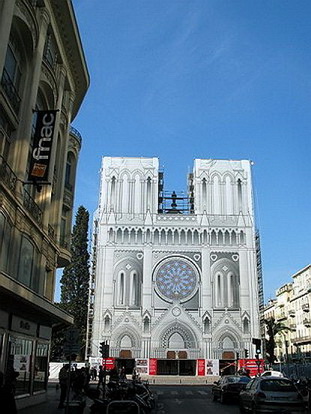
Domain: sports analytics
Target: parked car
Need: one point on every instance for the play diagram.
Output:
(271, 395)
(229, 386)
(272, 374)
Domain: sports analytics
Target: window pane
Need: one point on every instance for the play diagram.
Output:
(26, 262)
(41, 366)
(19, 364)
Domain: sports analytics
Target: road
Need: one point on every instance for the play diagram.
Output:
(189, 399)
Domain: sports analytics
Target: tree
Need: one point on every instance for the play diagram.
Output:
(75, 278)
(272, 329)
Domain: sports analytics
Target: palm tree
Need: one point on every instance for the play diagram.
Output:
(272, 329)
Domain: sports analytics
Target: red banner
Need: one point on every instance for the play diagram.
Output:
(201, 367)
(153, 366)
(254, 366)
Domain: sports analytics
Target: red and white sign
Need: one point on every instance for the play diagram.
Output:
(201, 367)
(110, 363)
(153, 366)
(254, 366)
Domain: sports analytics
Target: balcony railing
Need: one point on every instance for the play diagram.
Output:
(68, 198)
(10, 91)
(7, 175)
(73, 131)
(32, 207)
(305, 307)
(281, 316)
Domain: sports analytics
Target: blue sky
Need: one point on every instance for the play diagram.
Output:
(185, 79)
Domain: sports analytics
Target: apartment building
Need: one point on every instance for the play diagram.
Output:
(43, 80)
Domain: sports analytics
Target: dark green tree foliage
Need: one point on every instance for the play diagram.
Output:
(75, 279)
(273, 328)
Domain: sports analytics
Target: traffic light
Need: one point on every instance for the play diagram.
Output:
(246, 353)
(101, 348)
(257, 343)
(104, 349)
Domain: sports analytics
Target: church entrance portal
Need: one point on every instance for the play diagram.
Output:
(176, 367)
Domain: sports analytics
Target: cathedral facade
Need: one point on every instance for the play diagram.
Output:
(174, 275)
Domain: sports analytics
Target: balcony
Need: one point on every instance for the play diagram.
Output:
(281, 316)
(307, 322)
(68, 199)
(32, 207)
(74, 132)
(291, 313)
(10, 91)
(305, 307)
(7, 175)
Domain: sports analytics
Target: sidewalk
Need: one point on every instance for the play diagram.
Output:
(50, 406)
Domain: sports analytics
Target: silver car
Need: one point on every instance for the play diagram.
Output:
(271, 395)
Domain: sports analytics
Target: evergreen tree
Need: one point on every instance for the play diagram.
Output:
(75, 278)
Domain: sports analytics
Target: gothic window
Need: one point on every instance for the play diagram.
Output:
(146, 324)
(113, 191)
(176, 341)
(204, 194)
(246, 325)
(134, 289)
(107, 323)
(242, 237)
(239, 195)
(216, 196)
(149, 203)
(126, 342)
(228, 195)
(226, 289)
(206, 325)
(121, 289)
(176, 279)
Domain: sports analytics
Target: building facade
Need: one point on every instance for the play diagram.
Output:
(291, 308)
(174, 276)
(42, 68)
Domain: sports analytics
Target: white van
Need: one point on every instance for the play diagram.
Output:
(272, 374)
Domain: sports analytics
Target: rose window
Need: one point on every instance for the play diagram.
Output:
(176, 279)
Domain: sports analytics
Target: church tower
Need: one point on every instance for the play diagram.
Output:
(174, 275)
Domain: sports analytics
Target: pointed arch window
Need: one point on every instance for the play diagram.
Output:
(148, 193)
(204, 194)
(121, 298)
(146, 324)
(107, 323)
(207, 325)
(246, 325)
(240, 195)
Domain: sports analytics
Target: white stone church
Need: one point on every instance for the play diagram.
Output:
(175, 275)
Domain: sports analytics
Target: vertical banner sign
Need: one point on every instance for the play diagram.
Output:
(201, 367)
(42, 145)
(153, 366)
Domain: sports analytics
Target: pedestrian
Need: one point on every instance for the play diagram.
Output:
(63, 378)
(7, 400)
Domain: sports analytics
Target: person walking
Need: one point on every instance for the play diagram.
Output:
(63, 378)
(8, 404)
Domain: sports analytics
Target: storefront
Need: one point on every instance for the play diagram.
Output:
(25, 337)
